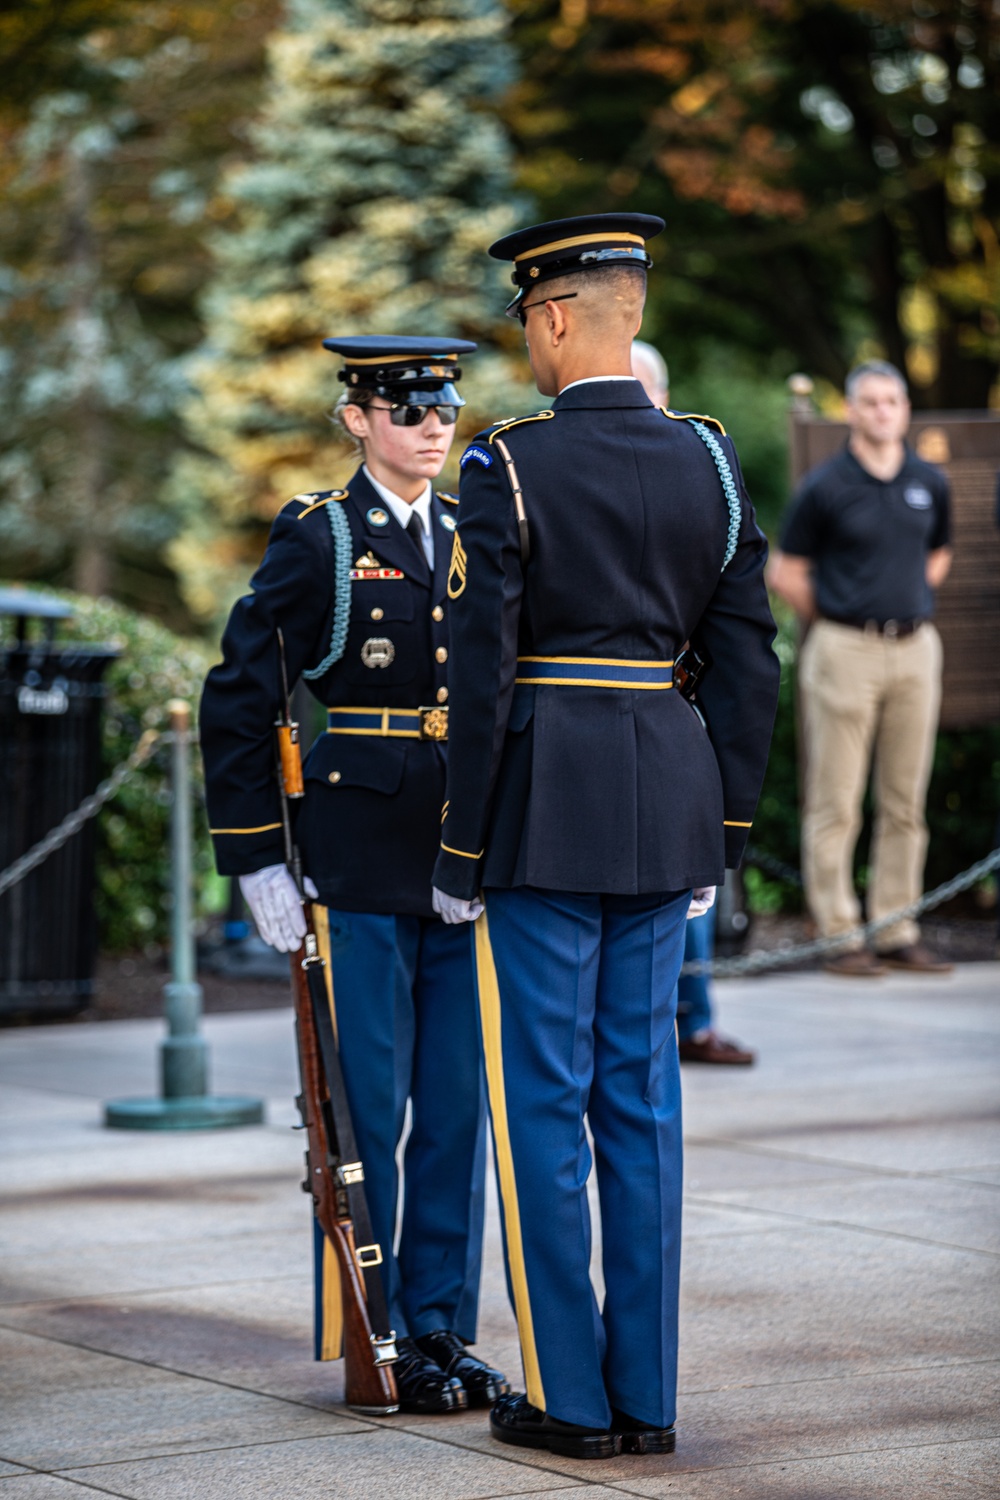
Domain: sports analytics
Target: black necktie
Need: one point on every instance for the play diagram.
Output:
(415, 531)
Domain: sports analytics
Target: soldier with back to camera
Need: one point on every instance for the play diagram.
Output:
(593, 809)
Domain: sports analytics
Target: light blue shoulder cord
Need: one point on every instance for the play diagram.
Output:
(340, 526)
(728, 484)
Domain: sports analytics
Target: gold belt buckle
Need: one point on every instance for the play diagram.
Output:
(433, 723)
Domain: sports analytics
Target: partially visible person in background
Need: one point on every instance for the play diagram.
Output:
(696, 1034)
(650, 369)
(864, 546)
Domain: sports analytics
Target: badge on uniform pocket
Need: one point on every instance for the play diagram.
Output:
(378, 651)
(368, 566)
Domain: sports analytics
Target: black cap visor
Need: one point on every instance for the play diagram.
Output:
(436, 393)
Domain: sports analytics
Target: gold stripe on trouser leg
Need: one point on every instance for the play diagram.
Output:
(331, 1342)
(489, 1006)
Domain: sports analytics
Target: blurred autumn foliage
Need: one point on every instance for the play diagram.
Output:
(829, 171)
(117, 117)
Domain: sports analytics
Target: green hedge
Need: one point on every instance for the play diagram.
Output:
(133, 831)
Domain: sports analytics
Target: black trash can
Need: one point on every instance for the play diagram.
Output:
(51, 698)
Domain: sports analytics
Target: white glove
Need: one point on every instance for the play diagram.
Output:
(275, 906)
(702, 900)
(451, 910)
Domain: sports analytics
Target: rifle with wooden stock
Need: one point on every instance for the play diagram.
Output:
(334, 1172)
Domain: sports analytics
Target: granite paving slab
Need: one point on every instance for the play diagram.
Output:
(372, 1465)
(29, 1486)
(963, 1471)
(938, 1210)
(64, 1406)
(827, 1301)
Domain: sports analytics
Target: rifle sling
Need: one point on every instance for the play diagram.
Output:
(345, 1148)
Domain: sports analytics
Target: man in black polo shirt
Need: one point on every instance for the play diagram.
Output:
(864, 546)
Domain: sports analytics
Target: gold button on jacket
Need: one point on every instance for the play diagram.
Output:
(442, 695)
(441, 654)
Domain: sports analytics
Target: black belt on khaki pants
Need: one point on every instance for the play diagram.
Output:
(893, 630)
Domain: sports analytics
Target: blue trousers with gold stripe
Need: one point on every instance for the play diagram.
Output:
(577, 997)
(403, 1003)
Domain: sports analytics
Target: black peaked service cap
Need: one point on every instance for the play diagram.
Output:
(565, 246)
(406, 371)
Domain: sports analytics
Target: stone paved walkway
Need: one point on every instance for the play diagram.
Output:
(840, 1304)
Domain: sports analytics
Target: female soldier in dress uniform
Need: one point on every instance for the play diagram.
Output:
(356, 581)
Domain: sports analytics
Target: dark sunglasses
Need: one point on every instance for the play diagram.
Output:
(412, 416)
(522, 307)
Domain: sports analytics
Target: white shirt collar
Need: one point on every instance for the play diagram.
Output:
(402, 510)
(590, 379)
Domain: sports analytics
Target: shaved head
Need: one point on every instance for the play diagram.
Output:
(581, 325)
(605, 296)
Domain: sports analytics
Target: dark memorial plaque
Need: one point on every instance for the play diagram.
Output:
(966, 445)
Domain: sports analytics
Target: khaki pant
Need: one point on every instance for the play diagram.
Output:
(863, 693)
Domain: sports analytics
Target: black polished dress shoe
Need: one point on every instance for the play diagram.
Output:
(423, 1386)
(639, 1437)
(482, 1385)
(515, 1420)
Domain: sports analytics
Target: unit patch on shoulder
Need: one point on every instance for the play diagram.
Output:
(476, 455)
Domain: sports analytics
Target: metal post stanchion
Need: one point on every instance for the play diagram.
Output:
(185, 1103)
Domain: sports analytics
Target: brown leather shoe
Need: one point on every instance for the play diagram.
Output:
(917, 958)
(857, 963)
(713, 1048)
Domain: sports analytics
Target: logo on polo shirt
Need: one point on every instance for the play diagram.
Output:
(918, 497)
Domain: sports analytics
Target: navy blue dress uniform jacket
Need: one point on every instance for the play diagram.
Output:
(369, 824)
(591, 789)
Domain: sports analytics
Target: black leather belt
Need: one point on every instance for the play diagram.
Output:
(893, 630)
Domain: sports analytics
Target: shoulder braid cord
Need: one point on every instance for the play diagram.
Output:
(728, 484)
(340, 526)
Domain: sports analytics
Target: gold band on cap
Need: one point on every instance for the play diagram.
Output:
(609, 238)
(398, 359)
